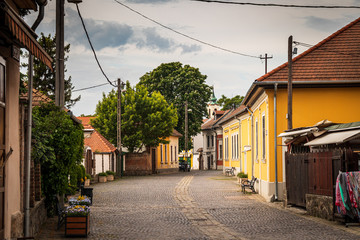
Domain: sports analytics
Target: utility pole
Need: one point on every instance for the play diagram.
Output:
(186, 129)
(59, 68)
(119, 127)
(290, 52)
(266, 58)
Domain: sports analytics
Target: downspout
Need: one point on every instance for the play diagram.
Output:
(252, 141)
(40, 17)
(275, 142)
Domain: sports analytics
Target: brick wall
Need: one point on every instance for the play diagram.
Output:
(137, 164)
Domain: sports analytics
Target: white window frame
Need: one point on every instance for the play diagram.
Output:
(263, 119)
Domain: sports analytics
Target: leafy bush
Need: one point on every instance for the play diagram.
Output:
(58, 147)
(110, 173)
(242, 175)
(87, 176)
(103, 174)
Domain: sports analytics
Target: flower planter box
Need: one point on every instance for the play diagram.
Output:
(87, 183)
(110, 177)
(102, 178)
(77, 226)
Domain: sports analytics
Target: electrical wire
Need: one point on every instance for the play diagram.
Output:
(95, 86)
(185, 35)
(274, 4)
(92, 48)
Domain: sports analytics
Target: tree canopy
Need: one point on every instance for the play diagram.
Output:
(178, 84)
(228, 103)
(44, 78)
(146, 119)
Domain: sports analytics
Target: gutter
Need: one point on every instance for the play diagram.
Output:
(40, 17)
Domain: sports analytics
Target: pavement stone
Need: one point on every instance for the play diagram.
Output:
(193, 205)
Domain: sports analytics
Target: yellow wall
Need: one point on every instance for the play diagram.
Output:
(310, 105)
(174, 143)
(231, 128)
(245, 141)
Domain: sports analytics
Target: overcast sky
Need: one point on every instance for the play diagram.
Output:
(128, 45)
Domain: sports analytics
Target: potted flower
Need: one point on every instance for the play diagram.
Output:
(102, 177)
(87, 180)
(81, 200)
(77, 221)
(110, 175)
(242, 177)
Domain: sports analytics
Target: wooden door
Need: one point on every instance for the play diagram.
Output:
(2, 144)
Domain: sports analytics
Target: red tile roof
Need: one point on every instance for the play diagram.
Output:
(234, 113)
(176, 133)
(212, 122)
(97, 142)
(86, 121)
(335, 58)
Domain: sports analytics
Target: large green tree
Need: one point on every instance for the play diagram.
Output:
(146, 120)
(178, 84)
(44, 78)
(228, 103)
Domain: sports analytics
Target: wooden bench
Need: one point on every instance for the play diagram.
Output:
(230, 171)
(248, 184)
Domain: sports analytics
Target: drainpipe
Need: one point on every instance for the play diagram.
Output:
(252, 141)
(40, 17)
(275, 142)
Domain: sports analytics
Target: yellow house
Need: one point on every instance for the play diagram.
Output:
(326, 85)
(167, 154)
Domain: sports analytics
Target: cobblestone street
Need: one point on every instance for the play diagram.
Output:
(194, 205)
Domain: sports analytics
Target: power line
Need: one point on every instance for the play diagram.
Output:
(274, 4)
(92, 48)
(95, 86)
(185, 35)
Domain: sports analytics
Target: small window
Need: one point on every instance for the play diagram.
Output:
(161, 153)
(171, 154)
(175, 155)
(263, 137)
(256, 140)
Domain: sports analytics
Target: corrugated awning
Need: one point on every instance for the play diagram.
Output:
(335, 138)
(21, 31)
(298, 132)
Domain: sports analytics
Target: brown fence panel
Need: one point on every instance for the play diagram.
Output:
(296, 178)
(321, 173)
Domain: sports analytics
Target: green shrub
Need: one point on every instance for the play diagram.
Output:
(102, 174)
(110, 173)
(58, 147)
(242, 175)
(88, 176)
